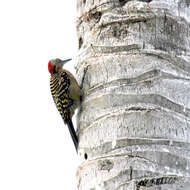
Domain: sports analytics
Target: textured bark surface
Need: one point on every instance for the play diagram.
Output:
(134, 123)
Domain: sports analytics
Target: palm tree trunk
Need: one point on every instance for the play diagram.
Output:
(134, 68)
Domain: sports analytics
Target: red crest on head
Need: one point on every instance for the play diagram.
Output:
(50, 67)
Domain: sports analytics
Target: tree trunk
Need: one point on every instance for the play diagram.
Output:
(134, 68)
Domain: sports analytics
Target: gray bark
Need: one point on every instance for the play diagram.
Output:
(134, 68)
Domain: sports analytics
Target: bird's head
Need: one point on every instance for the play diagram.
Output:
(55, 64)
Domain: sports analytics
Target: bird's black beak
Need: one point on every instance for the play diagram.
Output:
(66, 60)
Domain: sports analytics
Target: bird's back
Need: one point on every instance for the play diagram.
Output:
(59, 85)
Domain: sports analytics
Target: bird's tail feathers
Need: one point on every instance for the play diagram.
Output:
(72, 133)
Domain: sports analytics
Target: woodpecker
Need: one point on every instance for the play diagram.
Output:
(66, 93)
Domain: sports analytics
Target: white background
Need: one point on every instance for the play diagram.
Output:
(36, 151)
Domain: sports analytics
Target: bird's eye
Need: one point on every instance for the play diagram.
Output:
(58, 60)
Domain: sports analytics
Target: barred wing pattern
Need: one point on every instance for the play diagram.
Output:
(59, 85)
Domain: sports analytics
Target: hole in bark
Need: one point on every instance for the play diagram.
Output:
(80, 42)
(97, 15)
(84, 1)
(85, 156)
(122, 2)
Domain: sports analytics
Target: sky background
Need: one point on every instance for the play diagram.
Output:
(36, 151)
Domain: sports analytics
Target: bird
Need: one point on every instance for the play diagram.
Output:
(66, 93)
